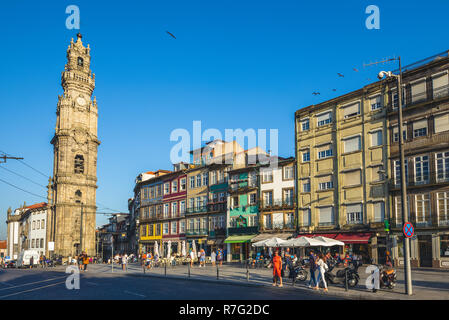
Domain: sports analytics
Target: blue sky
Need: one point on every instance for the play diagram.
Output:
(235, 64)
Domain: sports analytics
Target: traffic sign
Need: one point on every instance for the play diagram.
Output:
(408, 230)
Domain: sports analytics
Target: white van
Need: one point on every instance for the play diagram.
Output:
(24, 258)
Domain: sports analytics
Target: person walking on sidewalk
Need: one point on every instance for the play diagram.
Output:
(312, 264)
(277, 266)
(202, 255)
(322, 267)
(124, 262)
(192, 257)
(220, 256)
(213, 257)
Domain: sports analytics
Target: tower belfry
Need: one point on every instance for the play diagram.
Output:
(72, 189)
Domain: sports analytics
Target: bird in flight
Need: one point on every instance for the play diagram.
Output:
(171, 35)
(315, 93)
(355, 69)
(340, 75)
(334, 90)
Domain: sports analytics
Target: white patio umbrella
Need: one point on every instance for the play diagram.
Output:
(302, 242)
(329, 242)
(168, 249)
(271, 242)
(156, 248)
(183, 250)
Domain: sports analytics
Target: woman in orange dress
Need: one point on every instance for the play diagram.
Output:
(277, 267)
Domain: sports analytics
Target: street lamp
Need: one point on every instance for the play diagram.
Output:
(407, 268)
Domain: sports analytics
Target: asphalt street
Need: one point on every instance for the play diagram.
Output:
(100, 283)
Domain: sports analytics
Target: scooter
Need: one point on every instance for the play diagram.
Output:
(297, 273)
(339, 276)
(387, 277)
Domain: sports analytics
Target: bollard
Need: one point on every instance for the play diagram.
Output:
(346, 279)
(247, 274)
(218, 274)
(165, 268)
(189, 268)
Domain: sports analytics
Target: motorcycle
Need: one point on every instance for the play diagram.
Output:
(339, 276)
(387, 277)
(297, 273)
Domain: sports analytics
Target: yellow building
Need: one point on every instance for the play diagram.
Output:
(341, 154)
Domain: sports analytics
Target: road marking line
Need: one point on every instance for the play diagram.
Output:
(29, 290)
(93, 283)
(136, 294)
(27, 284)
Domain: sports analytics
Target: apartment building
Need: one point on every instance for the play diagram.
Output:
(426, 150)
(341, 161)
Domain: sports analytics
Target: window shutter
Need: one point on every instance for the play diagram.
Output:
(442, 123)
(352, 144)
(375, 100)
(354, 208)
(324, 179)
(379, 213)
(326, 215)
(376, 138)
(353, 178)
(420, 124)
(306, 217)
(324, 116)
(324, 148)
(418, 91)
(351, 110)
(440, 85)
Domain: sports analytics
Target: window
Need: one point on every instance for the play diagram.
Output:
(33, 243)
(221, 197)
(213, 177)
(288, 197)
(174, 209)
(167, 188)
(267, 221)
(379, 211)
(198, 180)
(420, 128)
(235, 202)
(396, 134)
(352, 144)
(326, 216)
(351, 110)
(442, 164)
(397, 172)
(192, 182)
(203, 223)
(324, 119)
(267, 176)
(268, 198)
(252, 221)
(165, 230)
(289, 219)
(38, 224)
(191, 224)
(306, 156)
(182, 226)
(174, 227)
(158, 229)
(198, 224)
(418, 91)
(306, 185)
(150, 230)
(305, 214)
(198, 202)
(443, 208)
(441, 122)
(42, 243)
(305, 125)
(325, 183)
(444, 245)
(440, 86)
(221, 222)
(354, 213)
(422, 170)
(79, 164)
(183, 185)
(191, 203)
(325, 152)
(159, 190)
(174, 186)
(288, 173)
(205, 179)
(252, 198)
(166, 210)
(376, 138)
(376, 102)
(80, 62)
(422, 209)
(182, 207)
(34, 225)
(42, 224)
(352, 178)
(204, 201)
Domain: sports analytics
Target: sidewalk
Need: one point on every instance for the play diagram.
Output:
(427, 285)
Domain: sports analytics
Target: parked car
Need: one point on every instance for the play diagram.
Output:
(24, 258)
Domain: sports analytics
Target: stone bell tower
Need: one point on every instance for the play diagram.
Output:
(72, 189)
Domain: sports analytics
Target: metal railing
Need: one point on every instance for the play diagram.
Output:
(278, 203)
(197, 232)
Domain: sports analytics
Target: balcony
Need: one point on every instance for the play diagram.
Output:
(280, 226)
(415, 99)
(197, 232)
(201, 209)
(217, 233)
(443, 222)
(430, 178)
(278, 204)
(217, 207)
(243, 230)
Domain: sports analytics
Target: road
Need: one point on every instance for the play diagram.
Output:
(99, 283)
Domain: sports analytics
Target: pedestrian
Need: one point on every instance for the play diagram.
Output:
(192, 257)
(31, 261)
(124, 262)
(312, 265)
(322, 267)
(202, 256)
(220, 256)
(277, 266)
(85, 261)
(388, 260)
(213, 257)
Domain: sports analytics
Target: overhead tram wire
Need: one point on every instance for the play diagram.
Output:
(14, 186)
(29, 166)
(19, 175)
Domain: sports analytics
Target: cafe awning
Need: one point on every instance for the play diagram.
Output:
(264, 236)
(239, 239)
(350, 237)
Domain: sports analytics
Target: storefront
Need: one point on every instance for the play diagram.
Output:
(238, 247)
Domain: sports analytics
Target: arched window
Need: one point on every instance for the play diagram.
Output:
(80, 61)
(79, 164)
(78, 195)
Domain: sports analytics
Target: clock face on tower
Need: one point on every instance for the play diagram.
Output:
(81, 101)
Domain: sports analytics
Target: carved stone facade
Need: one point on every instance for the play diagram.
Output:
(72, 190)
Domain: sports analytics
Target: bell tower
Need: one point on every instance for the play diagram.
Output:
(72, 189)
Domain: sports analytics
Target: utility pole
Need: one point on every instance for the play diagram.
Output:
(81, 228)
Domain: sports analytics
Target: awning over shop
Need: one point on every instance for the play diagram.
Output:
(264, 236)
(216, 242)
(239, 239)
(350, 237)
